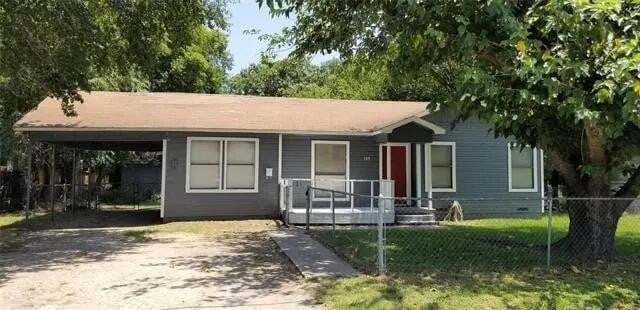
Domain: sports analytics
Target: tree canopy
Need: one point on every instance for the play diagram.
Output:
(58, 48)
(339, 79)
(562, 75)
(270, 77)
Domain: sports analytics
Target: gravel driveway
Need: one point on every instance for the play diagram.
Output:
(116, 268)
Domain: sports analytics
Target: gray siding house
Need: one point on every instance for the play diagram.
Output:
(254, 157)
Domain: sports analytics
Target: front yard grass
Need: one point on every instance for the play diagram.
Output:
(472, 246)
(496, 263)
(141, 222)
(8, 219)
(604, 286)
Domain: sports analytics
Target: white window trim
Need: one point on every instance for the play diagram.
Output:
(223, 165)
(535, 172)
(454, 168)
(313, 167)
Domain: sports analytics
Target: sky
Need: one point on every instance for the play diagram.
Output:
(246, 48)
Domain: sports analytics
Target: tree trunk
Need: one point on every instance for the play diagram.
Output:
(592, 229)
(593, 220)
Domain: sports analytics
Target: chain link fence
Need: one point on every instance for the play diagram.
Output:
(64, 197)
(467, 235)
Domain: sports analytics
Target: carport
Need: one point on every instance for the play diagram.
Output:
(62, 136)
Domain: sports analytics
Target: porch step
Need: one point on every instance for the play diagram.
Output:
(412, 210)
(416, 219)
(415, 216)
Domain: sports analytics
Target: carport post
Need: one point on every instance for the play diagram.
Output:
(308, 213)
(28, 180)
(74, 173)
(52, 180)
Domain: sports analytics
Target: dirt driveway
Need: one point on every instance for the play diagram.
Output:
(135, 269)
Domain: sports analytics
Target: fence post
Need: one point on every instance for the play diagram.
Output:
(98, 192)
(29, 182)
(381, 206)
(549, 197)
(333, 214)
(64, 196)
(52, 180)
(135, 196)
(308, 213)
(89, 194)
(74, 182)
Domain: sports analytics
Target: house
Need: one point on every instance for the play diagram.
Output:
(227, 156)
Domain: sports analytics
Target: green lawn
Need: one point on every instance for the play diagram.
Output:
(477, 245)
(497, 263)
(8, 219)
(606, 286)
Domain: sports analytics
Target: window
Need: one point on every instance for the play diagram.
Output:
(330, 166)
(204, 164)
(522, 169)
(222, 165)
(443, 166)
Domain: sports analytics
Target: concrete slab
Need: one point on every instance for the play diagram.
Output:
(310, 257)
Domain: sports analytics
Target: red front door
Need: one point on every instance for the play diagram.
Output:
(398, 168)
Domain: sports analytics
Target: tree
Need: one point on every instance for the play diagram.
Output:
(297, 77)
(271, 77)
(59, 48)
(199, 67)
(562, 75)
(343, 80)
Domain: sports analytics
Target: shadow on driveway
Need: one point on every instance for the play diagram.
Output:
(118, 268)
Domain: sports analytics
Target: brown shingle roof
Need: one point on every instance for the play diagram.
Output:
(227, 113)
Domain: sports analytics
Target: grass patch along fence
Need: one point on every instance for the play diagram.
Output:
(493, 244)
(475, 245)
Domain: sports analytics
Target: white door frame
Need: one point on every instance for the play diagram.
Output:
(408, 163)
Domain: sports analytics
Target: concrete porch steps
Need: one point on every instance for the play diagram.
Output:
(414, 216)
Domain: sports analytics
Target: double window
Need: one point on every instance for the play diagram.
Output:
(330, 166)
(443, 166)
(222, 165)
(522, 168)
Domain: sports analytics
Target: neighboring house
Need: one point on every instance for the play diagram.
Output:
(618, 179)
(141, 177)
(230, 156)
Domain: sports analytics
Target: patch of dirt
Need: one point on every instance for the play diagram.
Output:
(148, 268)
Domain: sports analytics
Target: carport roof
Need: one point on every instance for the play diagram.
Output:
(183, 112)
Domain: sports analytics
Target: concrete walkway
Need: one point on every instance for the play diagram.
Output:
(310, 257)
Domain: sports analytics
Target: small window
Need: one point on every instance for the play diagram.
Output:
(330, 167)
(522, 168)
(222, 165)
(443, 166)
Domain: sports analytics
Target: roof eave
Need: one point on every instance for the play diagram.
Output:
(207, 130)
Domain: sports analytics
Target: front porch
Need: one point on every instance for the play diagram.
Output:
(364, 202)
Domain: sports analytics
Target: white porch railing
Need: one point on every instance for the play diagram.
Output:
(287, 185)
(355, 204)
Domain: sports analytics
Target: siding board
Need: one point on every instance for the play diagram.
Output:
(482, 170)
(179, 204)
